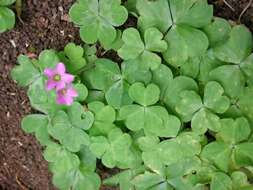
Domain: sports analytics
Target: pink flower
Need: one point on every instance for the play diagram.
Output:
(66, 95)
(57, 77)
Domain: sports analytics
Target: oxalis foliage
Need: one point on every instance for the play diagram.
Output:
(7, 16)
(175, 113)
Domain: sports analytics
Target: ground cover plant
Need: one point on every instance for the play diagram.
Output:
(7, 16)
(175, 113)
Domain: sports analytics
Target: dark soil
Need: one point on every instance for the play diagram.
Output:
(46, 26)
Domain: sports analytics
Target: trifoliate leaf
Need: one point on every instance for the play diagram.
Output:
(204, 120)
(219, 154)
(230, 78)
(243, 154)
(97, 19)
(82, 91)
(214, 99)
(237, 47)
(234, 131)
(25, 73)
(145, 96)
(32, 122)
(75, 60)
(48, 59)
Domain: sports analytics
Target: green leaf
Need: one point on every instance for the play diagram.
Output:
(181, 48)
(7, 19)
(80, 117)
(148, 143)
(75, 59)
(133, 45)
(87, 159)
(243, 154)
(104, 118)
(195, 13)
(31, 123)
(191, 67)
(219, 154)
(221, 181)
(103, 75)
(237, 47)
(239, 179)
(6, 2)
(134, 72)
(218, 31)
(82, 91)
(162, 77)
(117, 95)
(145, 96)
(204, 120)
(135, 48)
(147, 180)
(97, 19)
(247, 68)
(25, 73)
(153, 40)
(175, 87)
(231, 79)
(189, 104)
(115, 151)
(42, 100)
(214, 99)
(150, 17)
(48, 59)
(245, 102)
(74, 138)
(234, 131)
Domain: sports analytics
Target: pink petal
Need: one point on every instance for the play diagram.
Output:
(60, 85)
(67, 78)
(60, 68)
(68, 100)
(72, 92)
(60, 99)
(50, 85)
(49, 72)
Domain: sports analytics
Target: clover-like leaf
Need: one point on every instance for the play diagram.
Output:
(48, 59)
(135, 48)
(204, 120)
(26, 72)
(247, 68)
(104, 118)
(238, 46)
(74, 59)
(245, 102)
(6, 2)
(217, 31)
(175, 87)
(97, 19)
(234, 131)
(82, 91)
(145, 96)
(189, 104)
(114, 151)
(7, 18)
(220, 181)
(231, 79)
(219, 154)
(181, 48)
(243, 154)
(214, 99)
(37, 124)
(240, 180)
(162, 76)
(80, 117)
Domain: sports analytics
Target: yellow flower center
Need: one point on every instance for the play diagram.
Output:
(57, 77)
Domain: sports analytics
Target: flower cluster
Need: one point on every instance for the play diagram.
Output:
(61, 81)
